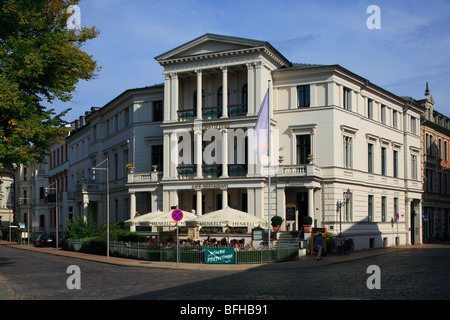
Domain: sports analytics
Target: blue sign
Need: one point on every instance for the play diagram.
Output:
(219, 255)
(177, 215)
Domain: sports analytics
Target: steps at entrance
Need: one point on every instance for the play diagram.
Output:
(286, 238)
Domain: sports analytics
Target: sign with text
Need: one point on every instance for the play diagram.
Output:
(219, 255)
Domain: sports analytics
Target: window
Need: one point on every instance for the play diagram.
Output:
(347, 99)
(395, 207)
(370, 209)
(244, 100)
(383, 113)
(383, 209)
(395, 164)
(445, 151)
(414, 167)
(370, 108)
(157, 156)
(383, 161)
(413, 125)
(370, 158)
(347, 152)
(303, 148)
(348, 208)
(158, 110)
(303, 96)
(395, 118)
(439, 149)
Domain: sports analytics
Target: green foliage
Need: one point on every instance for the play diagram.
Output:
(307, 220)
(40, 60)
(79, 228)
(276, 221)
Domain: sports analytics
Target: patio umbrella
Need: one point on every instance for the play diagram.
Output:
(164, 219)
(141, 220)
(228, 217)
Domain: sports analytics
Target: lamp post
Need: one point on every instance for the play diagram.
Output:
(340, 204)
(56, 209)
(107, 198)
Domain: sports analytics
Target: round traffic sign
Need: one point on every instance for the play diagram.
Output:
(177, 215)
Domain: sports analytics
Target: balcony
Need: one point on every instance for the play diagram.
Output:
(89, 187)
(214, 112)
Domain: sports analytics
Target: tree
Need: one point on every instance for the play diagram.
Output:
(79, 228)
(40, 60)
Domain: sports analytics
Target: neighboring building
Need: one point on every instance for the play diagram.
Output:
(436, 171)
(6, 201)
(125, 131)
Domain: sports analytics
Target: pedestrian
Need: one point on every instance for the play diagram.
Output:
(318, 244)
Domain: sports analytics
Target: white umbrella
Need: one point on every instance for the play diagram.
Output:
(165, 219)
(141, 220)
(228, 217)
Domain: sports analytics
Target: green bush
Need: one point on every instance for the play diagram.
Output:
(277, 221)
(307, 220)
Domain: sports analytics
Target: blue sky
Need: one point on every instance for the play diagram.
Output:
(411, 48)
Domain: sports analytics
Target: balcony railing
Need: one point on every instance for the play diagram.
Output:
(214, 112)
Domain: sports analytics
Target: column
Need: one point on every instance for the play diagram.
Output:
(167, 156)
(198, 152)
(224, 153)
(132, 209)
(199, 202)
(174, 97)
(166, 111)
(224, 198)
(199, 94)
(250, 89)
(311, 202)
(224, 92)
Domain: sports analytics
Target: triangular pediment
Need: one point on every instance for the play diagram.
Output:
(210, 43)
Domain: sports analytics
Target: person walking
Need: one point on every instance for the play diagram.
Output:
(318, 244)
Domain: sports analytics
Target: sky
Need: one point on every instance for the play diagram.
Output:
(411, 47)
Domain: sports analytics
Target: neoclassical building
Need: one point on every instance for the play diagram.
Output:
(333, 131)
(189, 142)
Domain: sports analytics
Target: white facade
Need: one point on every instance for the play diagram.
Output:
(332, 131)
(343, 116)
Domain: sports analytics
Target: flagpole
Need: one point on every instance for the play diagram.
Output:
(268, 149)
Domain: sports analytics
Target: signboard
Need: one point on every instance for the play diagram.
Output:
(219, 255)
(177, 215)
(290, 212)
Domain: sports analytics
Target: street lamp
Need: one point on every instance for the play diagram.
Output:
(56, 208)
(340, 204)
(107, 198)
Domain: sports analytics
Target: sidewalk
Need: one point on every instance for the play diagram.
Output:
(303, 261)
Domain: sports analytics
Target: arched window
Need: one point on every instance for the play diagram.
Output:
(41, 193)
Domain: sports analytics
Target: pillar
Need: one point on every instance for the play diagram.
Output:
(224, 198)
(224, 153)
(198, 152)
(250, 89)
(199, 94)
(174, 97)
(132, 209)
(224, 92)
(311, 202)
(166, 111)
(199, 202)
